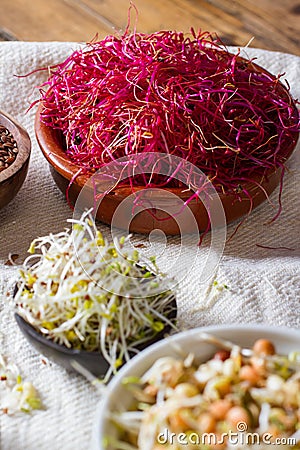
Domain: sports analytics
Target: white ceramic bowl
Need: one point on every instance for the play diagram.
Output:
(117, 397)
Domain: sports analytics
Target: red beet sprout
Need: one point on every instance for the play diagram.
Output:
(164, 92)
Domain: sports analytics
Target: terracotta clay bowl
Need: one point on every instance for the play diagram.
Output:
(63, 170)
(12, 178)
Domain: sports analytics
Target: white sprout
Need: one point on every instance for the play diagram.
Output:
(16, 395)
(83, 292)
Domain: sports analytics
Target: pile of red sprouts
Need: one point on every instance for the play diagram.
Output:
(167, 92)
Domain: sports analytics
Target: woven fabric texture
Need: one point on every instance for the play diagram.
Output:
(263, 284)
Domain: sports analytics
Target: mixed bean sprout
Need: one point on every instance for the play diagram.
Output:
(181, 404)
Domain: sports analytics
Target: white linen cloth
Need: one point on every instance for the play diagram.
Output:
(263, 284)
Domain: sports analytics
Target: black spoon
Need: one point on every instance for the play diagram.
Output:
(93, 362)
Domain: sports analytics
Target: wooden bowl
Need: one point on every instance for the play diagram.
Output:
(12, 178)
(63, 170)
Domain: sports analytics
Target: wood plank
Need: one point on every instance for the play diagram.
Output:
(6, 35)
(46, 20)
(236, 22)
(155, 15)
(275, 24)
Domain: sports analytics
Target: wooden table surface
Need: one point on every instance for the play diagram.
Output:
(274, 24)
